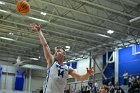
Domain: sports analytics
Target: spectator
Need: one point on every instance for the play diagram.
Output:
(103, 89)
(125, 78)
(130, 81)
(96, 85)
(112, 89)
(118, 89)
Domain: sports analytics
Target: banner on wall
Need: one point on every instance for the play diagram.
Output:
(73, 64)
(0, 71)
(129, 60)
(19, 79)
(135, 49)
(108, 67)
(0, 75)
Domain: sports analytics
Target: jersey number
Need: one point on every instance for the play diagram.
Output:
(61, 73)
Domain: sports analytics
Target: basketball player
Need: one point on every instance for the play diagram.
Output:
(57, 72)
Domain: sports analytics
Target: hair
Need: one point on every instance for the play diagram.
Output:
(60, 47)
(105, 87)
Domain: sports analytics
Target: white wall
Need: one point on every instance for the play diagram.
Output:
(81, 69)
(9, 69)
(99, 61)
(82, 65)
(9, 91)
(37, 83)
(8, 80)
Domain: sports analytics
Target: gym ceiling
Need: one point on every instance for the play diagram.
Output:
(80, 24)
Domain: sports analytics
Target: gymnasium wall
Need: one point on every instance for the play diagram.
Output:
(38, 77)
(109, 67)
(37, 83)
(9, 91)
(99, 62)
(128, 61)
(8, 80)
(81, 69)
(82, 65)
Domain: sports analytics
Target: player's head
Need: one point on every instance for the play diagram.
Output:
(59, 53)
(103, 89)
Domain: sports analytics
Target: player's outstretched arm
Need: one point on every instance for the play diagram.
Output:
(47, 53)
(79, 77)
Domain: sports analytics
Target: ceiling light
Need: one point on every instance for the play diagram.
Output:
(43, 13)
(3, 11)
(64, 62)
(10, 33)
(110, 31)
(103, 35)
(67, 50)
(5, 38)
(134, 19)
(2, 3)
(34, 58)
(68, 47)
(34, 67)
(77, 58)
(72, 60)
(37, 19)
(85, 57)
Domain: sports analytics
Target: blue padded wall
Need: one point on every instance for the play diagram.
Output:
(19, 79)
(128, 62)
(109, 71)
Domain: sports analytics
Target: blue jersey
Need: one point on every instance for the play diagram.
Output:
(56, 79)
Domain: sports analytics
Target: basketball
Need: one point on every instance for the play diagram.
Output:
(23, 7)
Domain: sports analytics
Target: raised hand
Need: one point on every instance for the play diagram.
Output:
(90, 71)
(35, 27)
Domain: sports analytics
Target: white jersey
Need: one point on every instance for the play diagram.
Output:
(56, 79)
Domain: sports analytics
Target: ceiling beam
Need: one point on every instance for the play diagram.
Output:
(108, 9)
(93, 16)
(34, 37)
(83, 23)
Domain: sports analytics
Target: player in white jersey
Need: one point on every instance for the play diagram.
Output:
(57, 72)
